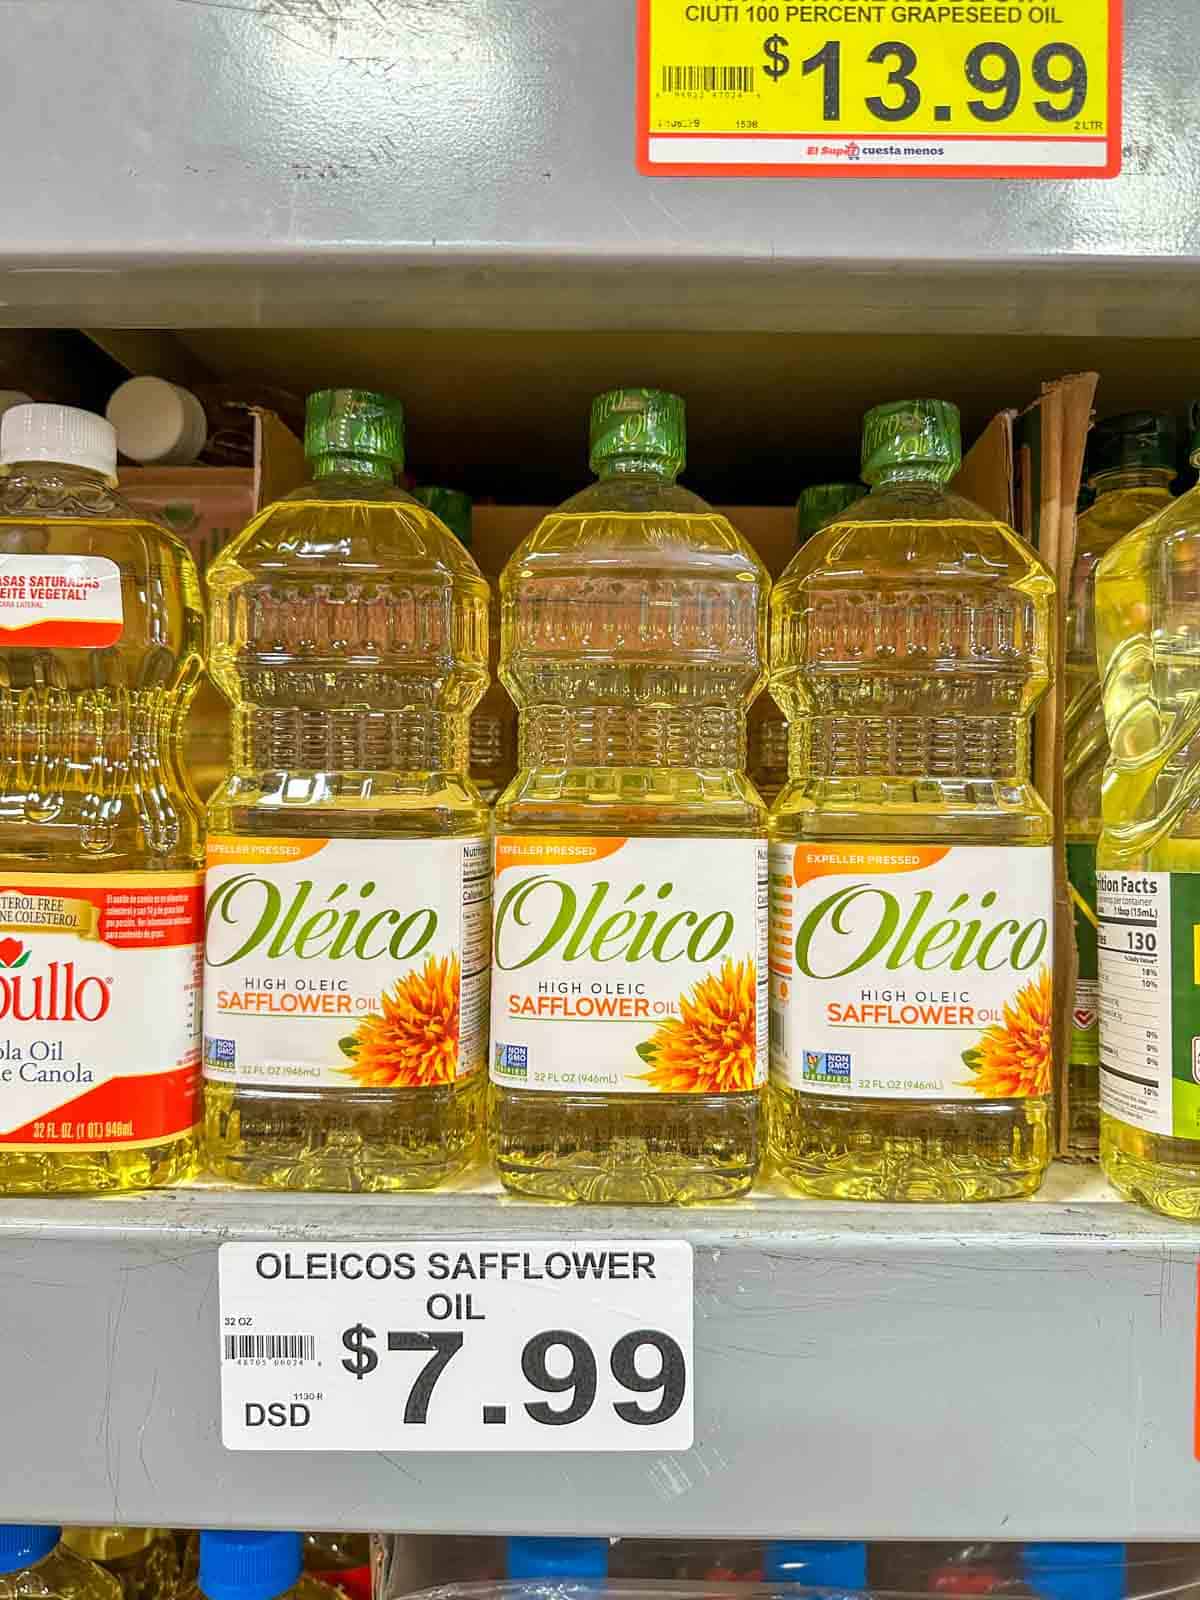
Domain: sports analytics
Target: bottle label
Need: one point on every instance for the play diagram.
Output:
(1150, 1000)
(630, 966)
(99, 1008)
(1085, 1013)
(912, 972)
(346, 963)
(60, 602)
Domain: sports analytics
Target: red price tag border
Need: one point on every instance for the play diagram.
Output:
(659, 169)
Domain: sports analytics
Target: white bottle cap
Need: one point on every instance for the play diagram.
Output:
(158, 423)
(58, 433)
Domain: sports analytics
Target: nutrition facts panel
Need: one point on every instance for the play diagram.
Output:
(1134, 939)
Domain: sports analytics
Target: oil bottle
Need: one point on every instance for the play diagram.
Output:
(34, 1561)
(144, 1561)
(1131, 462)
(101, 642)
(1148, 858)
(628, 998)
(348, 907)
(253, 1566)
(911, 857)
(817, 505)
(493, 741)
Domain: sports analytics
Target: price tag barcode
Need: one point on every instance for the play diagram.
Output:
(457, 1346)
(880, 88)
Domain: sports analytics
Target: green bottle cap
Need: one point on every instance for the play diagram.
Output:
(821, 502)
(452, 506)
(1134, 439)
(638, 430)
(356, 423)
(912, 439)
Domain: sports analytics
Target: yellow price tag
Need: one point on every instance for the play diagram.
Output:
(880, 88)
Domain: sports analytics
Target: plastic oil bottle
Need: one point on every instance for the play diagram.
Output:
(144, 1561)
(101, 641)
(348, 882)
(34, 1561)
(628, 997)
(817, 505)
(911, 870)
(253, 1566)
(836, 1564)
(1075, 1571)
(1148, 859)
(1131, 462)
(493, 741)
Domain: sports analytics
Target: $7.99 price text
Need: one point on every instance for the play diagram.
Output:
(378, 1347)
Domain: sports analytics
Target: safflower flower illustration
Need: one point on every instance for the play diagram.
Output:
(1013, 1058)
(711, 1046)
(415, 1042)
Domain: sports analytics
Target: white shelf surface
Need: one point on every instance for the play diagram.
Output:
(1025, 1370)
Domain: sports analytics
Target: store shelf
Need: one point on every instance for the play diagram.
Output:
(1018, 1371)
(225, 162)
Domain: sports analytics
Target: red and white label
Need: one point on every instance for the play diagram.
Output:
(60, 602)
(99, 1008)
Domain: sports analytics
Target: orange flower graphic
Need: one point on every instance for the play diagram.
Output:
(711, 1046)
(415, 1042)
(1014, 1060)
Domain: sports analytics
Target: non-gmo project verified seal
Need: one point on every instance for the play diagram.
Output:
(220, 1051)
(512, 1060)
(827, 1066)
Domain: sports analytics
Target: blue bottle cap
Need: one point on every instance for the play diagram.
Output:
(558, 1558)
(23, 1543)
(1075, 1571)
(818, 1563)
(248, 1566)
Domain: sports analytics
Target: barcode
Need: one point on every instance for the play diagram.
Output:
(270, 1347)
(693, 80)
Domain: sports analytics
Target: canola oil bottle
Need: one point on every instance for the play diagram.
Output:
(101, 642)
(628, 997)
(1131, 462)
(34, 1562)
(817, 505)
(911, 863)
(1148, 859)
(493, 741)
(144, 1561)
(348, 890)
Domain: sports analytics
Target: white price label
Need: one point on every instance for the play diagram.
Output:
(456, 1345)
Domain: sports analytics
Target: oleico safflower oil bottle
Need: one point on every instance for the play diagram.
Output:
(628, 994)
(911, 858)
(101, 643)
(348, 890)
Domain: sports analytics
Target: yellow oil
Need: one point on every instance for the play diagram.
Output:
(1124, 499)
(1148, 641)
(633, 641)
(144, 1561)
(91, 779)
(61, 1575)
(909, 647)
(350, 636)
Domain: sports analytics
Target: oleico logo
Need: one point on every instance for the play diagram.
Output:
(863, 926)
(59, 994)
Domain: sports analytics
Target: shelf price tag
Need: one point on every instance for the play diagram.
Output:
(456, 1345)
(880, 88)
